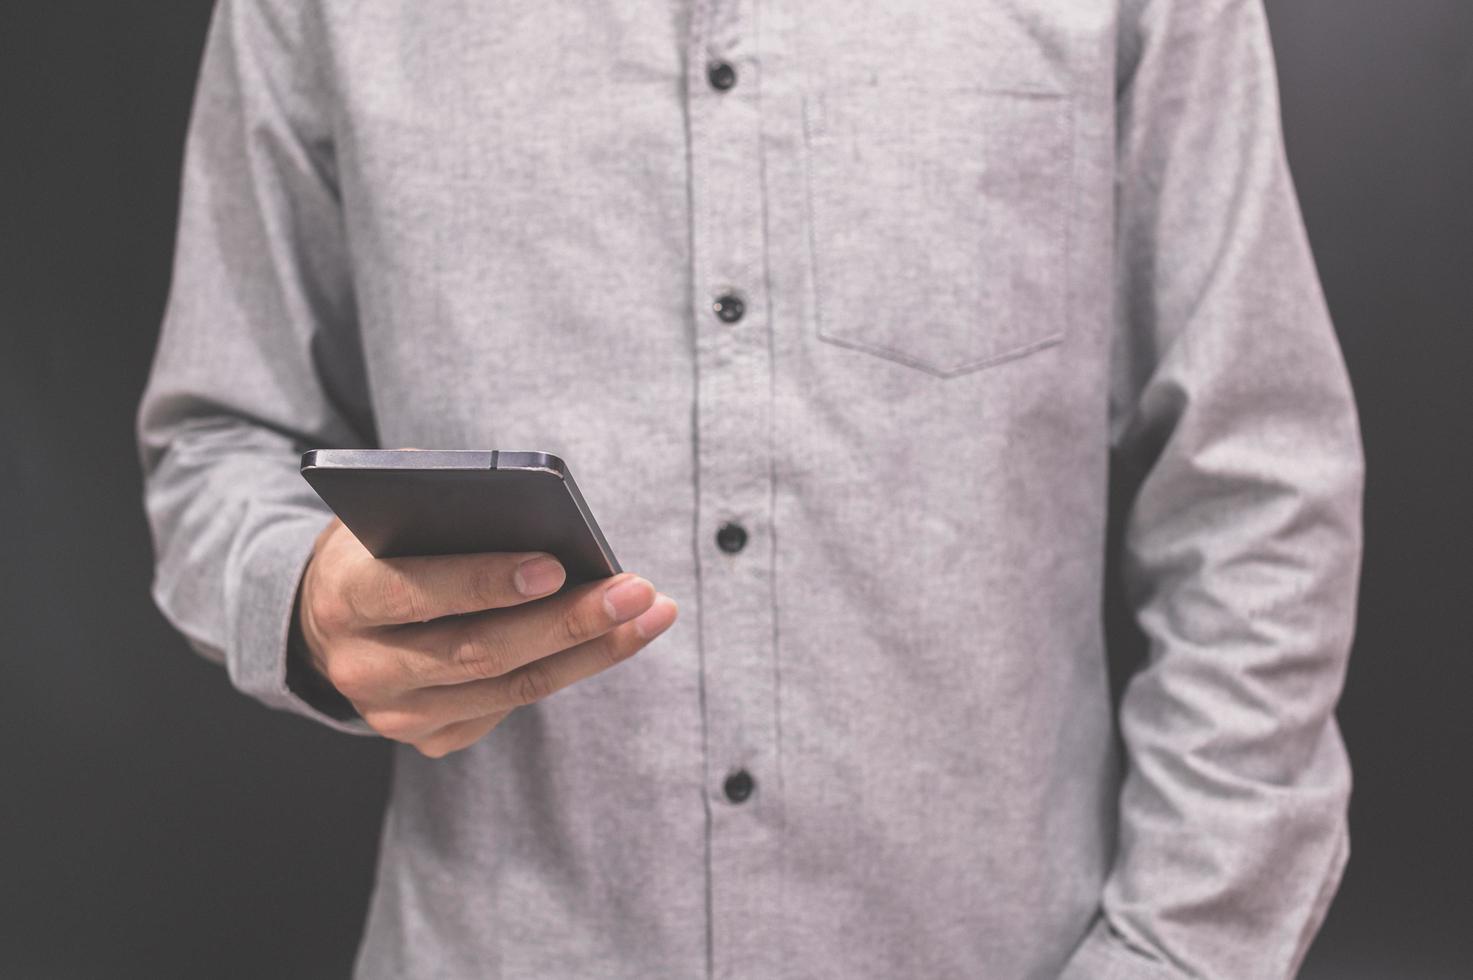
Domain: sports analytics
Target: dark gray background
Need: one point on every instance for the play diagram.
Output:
(154, 823)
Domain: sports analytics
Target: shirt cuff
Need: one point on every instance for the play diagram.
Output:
(1103, 955)
(269, 572)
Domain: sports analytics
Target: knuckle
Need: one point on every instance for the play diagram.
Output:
(352, 596)
(329, 609)
(487, 584)
(479, 654)
(399, 600)
(454, 739)
(576, 626)
(468, 656)
(532, 683)
(397, 725)
(434, 748)
(413, 670)
(352, 676)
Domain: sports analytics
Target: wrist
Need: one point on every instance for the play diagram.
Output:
(305, 675)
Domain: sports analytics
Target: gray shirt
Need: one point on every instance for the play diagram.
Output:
(986, 253)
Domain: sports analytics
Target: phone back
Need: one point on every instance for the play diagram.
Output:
(424, 502)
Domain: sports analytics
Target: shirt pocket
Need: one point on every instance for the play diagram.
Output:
(938, 221)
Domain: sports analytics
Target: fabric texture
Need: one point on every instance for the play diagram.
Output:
(989, 253)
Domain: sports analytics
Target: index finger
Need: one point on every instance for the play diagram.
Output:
(391, 591)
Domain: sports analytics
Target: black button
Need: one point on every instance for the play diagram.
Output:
(721, 75)
(739, 786)
(729, 308)
(731, 538)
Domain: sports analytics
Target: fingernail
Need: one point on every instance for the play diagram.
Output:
(538, 576)
(628, 599)
(656, 619)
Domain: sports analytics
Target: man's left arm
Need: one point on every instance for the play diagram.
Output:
(1242, 546)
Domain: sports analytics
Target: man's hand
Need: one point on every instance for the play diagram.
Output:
(437, 651)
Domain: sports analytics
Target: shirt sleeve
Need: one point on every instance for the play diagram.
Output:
(1241, 546)
(258, 358)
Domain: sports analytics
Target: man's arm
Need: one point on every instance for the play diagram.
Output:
(258, 358)
(1242, 547)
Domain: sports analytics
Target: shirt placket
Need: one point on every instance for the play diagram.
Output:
(734, 533)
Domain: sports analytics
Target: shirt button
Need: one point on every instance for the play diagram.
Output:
(729, 308)
(731, 538)
(739, 786)
(721, 75)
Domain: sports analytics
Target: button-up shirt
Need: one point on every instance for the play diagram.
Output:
(898, 290)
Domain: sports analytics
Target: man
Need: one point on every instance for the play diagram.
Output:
(842, 315)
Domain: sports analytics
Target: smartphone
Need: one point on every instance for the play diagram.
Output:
(400, 502)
